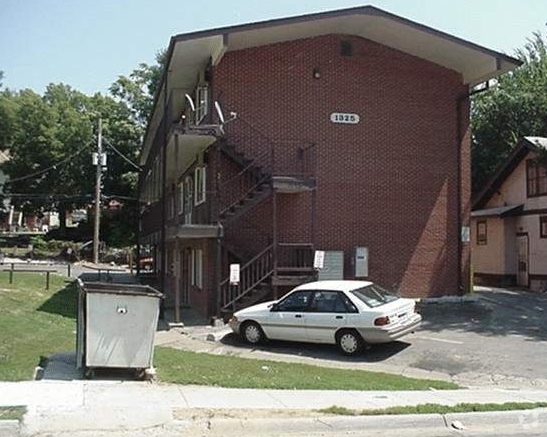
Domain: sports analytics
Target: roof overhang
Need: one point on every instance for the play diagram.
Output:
(501, 211)
(189, 53)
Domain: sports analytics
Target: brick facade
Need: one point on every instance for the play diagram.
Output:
(389, 183)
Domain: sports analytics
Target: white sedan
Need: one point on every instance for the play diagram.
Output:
(349, 314)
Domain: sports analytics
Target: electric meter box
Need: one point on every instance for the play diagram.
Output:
(361, 262)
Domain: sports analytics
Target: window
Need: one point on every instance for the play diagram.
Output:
(295, 302)
(171, 206)
(331, 302)
(374, 295)
(202, 103)
(536, 178)
(543, 226)
(181, 197)
(197, 265)
(199, 185)
(188, 199)
(481, 232)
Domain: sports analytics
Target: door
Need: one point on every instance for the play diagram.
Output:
(523, 266)
(287, 320)
(184, 278)
(328, 312)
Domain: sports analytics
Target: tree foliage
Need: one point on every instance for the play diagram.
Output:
(50, 139)
(138, 89)
(515, 107)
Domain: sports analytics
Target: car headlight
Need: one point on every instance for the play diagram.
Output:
(233, 319)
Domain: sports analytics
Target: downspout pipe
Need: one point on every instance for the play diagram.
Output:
(459, 137)
(163, 191)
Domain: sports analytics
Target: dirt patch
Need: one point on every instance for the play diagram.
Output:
(197, 414)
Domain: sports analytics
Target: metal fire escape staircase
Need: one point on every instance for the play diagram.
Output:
(277, 264)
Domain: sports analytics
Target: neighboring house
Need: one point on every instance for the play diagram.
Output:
(351, 136)
(509, 221)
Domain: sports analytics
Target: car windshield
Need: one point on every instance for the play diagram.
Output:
(373, 295)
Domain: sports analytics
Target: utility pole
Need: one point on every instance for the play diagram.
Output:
(98, 161)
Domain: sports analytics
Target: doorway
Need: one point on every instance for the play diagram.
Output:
(522, 260)
(184, 278)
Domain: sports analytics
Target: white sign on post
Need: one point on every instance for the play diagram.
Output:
(234, 274)
(319, 259)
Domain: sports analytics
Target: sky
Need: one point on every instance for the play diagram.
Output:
(89, 43)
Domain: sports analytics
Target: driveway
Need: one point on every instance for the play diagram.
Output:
(498, 340)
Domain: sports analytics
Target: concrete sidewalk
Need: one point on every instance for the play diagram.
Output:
(62, 406)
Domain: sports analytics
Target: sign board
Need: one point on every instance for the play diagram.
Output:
(318, 259)
(333, 267)
(344, 118)
(466, 234)
(361, 262)
(234, 274)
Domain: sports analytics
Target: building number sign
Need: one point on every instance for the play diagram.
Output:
(345, 118)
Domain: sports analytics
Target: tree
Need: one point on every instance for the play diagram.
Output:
(50, 139)
(138, 89)
(515, 107)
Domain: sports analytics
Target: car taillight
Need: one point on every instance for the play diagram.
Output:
(381, 321)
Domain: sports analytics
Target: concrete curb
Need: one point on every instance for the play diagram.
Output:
(9, 428)
(308, 425)
(218, 335)
(468, 298)
(528, 419)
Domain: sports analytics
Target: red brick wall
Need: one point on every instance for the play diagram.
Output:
(388, 183)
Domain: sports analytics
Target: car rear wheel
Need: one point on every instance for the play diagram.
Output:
(349, 342)
(252, 333)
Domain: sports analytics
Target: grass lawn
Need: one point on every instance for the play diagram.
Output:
(436, 409)
(184, 367)
(12, 413)
(36, 323)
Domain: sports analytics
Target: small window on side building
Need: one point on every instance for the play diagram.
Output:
(346, 48)
(482, 237)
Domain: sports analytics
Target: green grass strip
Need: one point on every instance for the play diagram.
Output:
(183, 367)
(435, 409)
(12, 413)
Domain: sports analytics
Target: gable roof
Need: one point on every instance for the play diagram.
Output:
(524, 146)
(188, 53)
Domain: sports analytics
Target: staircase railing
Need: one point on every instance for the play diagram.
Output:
(243, 183)
(251, 275)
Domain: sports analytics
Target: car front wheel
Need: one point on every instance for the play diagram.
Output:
(349, 342)
(252, 333)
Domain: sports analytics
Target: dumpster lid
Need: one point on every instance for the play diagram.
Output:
(116, 288)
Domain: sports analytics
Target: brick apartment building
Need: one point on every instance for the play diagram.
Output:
(339, 130)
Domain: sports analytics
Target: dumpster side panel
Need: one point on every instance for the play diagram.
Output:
(120, 330)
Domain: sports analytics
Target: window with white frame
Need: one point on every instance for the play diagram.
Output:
(199, 185)
(202, 103)
(181, 197)
(188, 199)
(197, 268)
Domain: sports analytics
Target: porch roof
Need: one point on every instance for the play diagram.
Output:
(188, 53)
(500, 211)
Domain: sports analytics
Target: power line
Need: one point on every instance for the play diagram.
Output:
(48, 169)
(109, 144)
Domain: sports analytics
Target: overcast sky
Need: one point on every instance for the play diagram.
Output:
(89, 43)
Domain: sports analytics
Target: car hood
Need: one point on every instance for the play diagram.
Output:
(258, 308)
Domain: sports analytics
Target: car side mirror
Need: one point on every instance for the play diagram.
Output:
(274, 307)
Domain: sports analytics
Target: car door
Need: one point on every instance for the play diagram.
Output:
(329, 311)
(286, 320)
